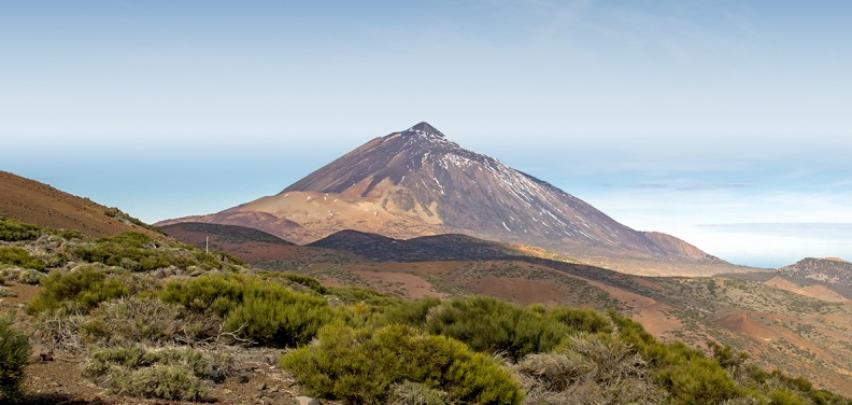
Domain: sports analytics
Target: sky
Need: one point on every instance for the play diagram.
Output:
(726, 123)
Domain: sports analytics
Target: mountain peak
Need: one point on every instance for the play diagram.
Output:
(424, 128)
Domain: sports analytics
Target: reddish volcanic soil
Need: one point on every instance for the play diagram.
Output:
(36, 203)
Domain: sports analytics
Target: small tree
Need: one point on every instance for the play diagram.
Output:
(14, 351)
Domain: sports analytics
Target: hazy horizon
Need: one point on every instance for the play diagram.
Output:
(726, 124)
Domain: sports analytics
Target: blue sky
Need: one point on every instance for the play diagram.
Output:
(728, 123)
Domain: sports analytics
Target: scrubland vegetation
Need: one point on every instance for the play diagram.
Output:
(152, 318)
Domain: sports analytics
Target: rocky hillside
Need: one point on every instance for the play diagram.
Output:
(833, 272)
(416, 182)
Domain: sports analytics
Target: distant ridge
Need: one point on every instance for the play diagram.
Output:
(426, 248)
(251, 245)
(225, 233)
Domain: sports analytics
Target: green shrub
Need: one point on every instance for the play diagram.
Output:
(409, 312)
(13, 231)
(69, 234)
(785, 397)
(82, 289)
(14, 352)
(361, 366)
(486, 324)
(17, 256)
(171, 373)
(264, 312)
(726, 356)
(581, 320)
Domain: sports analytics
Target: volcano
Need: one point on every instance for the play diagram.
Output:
(417, 182)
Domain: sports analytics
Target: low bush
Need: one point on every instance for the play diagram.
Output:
(171, 373)
(265, 312)
(13, 231)
(486, 324)
(409, 312)
(83, 288)
(17, 256)
(362, 366)
(14, 352)
(581, 320)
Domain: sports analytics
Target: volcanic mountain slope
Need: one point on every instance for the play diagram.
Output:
(37, 203)
(417, 183)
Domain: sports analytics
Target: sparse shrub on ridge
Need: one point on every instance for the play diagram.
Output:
(139, 252)
(14, 351)
(688, 375)
(264, 312)
(361, 366)
(12, 230)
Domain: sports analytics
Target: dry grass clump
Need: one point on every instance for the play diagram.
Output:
(20, 275)
(588, 369)
(168, 373)
(148, 321)
(411, 393)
